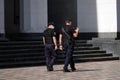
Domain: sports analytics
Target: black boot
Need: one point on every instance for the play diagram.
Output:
(66, 70)
(49, 68)
(73, 69)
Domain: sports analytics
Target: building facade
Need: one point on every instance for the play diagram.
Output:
(100, 17)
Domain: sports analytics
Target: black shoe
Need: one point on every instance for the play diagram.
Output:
(49, 68)
(66, 70)
(73, 69)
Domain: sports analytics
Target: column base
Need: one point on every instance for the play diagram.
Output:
(118, 36)
(25, 36)
(3, 37)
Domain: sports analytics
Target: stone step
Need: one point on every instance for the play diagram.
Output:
(86, 48)
(38, 56)
(91, 59)
(97, 59)
(59, 61)
(21, 43)
(41, 54)
(90, 51)
(4, 47)
(13, 47)
(33, 42)
(31, 53)
(41, 51)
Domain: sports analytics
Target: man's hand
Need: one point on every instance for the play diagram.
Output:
(61, 47)
(76, 32)
(44, 41)
(56, 47)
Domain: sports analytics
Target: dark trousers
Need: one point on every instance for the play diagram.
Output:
(68, 56)
(50, 54)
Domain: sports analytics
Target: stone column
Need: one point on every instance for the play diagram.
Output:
(87, 15)
(2, 31)
(118, 19)
(2, 27)
(33, 16)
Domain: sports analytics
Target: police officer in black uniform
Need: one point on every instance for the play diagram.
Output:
(66, 42)
(49, 40)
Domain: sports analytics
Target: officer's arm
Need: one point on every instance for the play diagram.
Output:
(75, 34)
(60, 39)
(55, 42)
(60, 42)
(43, 40)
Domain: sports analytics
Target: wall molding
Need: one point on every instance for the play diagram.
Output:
(81, 36)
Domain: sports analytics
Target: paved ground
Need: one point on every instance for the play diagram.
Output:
(108, 70)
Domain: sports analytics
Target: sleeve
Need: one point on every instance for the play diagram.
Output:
(53, 33)
(61, 31)
(44, 34)
(73, 29)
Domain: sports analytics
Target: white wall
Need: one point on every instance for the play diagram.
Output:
(97, 15)
(33, 16)
(107, 15)
(1, 16)
(107, 18)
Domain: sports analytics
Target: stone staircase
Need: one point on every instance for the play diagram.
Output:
(31, 53)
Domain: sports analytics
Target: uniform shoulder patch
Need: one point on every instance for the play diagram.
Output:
(54, 33)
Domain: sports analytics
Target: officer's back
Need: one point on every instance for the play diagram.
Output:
(48, 33)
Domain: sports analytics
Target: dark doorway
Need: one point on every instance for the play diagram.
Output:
(12, 16)
(60, 10)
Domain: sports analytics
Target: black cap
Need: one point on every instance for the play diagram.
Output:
(50, 23)
(68, 20)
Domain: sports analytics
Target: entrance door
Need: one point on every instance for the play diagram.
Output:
(60, 10)
(12, 16)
